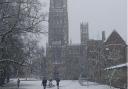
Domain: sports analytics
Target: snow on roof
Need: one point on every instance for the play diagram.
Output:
(117, 66)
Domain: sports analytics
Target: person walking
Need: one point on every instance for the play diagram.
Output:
(57, 82)
(18, 83)
(50, 82)
(44, 82)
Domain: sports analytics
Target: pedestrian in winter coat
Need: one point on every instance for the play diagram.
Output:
(50, 82)
(44, 83)
(18, 83)
(57, 82)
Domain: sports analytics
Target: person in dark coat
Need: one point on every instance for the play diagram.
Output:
(18, 83)
(50, 82)
(57, 82)
(44, 82)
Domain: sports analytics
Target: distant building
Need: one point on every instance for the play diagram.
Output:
(115, 53)
(87, 59)
(94, 60)
(84, 57)
(72, 61)
(58, 33)
(58, 23)
(84, 28)
(115, 50)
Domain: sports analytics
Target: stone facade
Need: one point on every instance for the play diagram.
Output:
(94, 59)
(82, 59)
(72, 61)
(87, 59)
(57, 35)
(115, 52)
(58, 23)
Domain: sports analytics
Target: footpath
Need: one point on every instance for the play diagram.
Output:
(64, 84)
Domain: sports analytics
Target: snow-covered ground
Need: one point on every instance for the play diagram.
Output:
(65, 84)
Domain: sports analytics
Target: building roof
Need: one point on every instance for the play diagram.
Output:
(96, 42)
(115, 38)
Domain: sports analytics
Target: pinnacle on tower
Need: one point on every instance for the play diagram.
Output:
(103, 36)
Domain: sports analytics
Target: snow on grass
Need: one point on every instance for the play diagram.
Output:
(64, 84)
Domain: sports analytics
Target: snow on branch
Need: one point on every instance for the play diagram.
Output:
(8, 60)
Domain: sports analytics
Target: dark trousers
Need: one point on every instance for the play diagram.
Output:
(18, 85)
(57, 85)
(44, 87)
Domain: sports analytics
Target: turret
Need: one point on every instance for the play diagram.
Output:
(103, 36)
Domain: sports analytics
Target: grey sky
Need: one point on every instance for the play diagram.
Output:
(100, 14)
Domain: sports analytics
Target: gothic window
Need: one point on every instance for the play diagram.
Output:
(64, 5)
(58, 3)
(114, 54)
(61, 21)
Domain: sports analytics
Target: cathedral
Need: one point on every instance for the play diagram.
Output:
(57, 34)
(87, 59)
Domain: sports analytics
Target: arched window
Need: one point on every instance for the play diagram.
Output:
(58, 3)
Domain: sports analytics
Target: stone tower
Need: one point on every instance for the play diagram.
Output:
(84, 33)
(84, 48)
(57, 35)
(58, 23)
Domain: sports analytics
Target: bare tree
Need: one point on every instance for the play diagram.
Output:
(16, 17)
